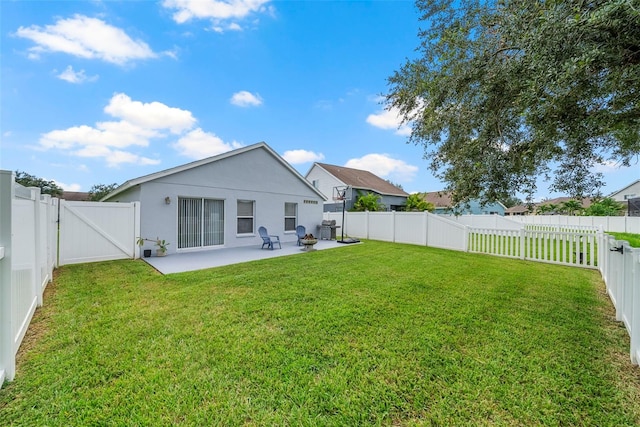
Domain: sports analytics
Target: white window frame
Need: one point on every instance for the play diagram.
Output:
(294, 217)
(252, 217)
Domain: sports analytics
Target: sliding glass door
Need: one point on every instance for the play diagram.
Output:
(200, 222)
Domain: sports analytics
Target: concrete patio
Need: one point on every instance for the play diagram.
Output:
(190, 261)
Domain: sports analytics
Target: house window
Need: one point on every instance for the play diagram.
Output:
(246, 213)
(290, 216)
(200, 222)
(316, 183)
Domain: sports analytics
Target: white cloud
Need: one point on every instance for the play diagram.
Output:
(140, 123)
(72, 76)
(246, 99)
(609, 166)
(86, 37)
(296, 157)
(384, 166)
(153, 115)
(215, 10)
(67, 187)
(199, 144)
(389, 119)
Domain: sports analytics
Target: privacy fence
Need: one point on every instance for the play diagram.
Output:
(578, 245)
(28, 242)
(621, 224)
(32, 229)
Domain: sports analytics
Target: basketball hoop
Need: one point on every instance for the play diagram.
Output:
(341, 193)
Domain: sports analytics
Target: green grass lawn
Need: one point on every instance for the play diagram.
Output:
(632, 238)
(370, 334)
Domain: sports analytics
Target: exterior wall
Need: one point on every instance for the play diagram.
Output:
(474, 209)
(253, 175)
(326, 183)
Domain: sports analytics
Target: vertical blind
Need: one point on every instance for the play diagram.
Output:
(200, 222)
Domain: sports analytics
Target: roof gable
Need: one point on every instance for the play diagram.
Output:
(615, 193)
(362, 179)
(192, 165)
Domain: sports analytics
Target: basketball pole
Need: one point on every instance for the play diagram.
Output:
(344, 204)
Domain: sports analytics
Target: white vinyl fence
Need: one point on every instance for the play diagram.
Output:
(620, 269)
(28, 237)
(578, 245)
(98, 231)
(29, 242)
(619, 224)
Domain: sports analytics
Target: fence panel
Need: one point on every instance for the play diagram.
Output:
(380, 226)
(25, 263)
(620, 224)
(446, 234)
(98, 231)
(486, 221)
(496, 242)
(411, 228)
(620, 271)
(25, 278)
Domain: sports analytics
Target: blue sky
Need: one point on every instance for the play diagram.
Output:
(99, 92)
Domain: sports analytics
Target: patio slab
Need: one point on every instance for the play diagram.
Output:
(190, 261)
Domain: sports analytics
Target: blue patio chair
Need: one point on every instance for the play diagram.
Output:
(301, 232)
(268, 239)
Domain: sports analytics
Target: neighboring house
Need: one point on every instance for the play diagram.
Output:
(75, 196)
(517, 210)
(631, 191)
(221, 201)
(326, 178)
(444, 205)
(558, 201)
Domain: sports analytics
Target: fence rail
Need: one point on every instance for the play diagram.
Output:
(620, 224)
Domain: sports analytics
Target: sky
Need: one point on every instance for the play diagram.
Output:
(100, 92)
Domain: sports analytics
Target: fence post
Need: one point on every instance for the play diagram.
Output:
(7, 354)
(38, 235)
(426, 227)
(136, 227)
(635, 307)
(366, 222)
(393, 225)
(465, 245)
(523, 237)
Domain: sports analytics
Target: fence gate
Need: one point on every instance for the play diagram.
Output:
(98, 231)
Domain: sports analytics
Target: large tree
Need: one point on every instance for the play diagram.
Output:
(98, 191)
(507, 91)
(46, 187)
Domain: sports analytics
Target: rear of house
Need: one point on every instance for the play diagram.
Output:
(222, 200)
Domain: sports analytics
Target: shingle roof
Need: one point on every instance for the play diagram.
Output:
(362, 179)
(517, 209)
(75, 196)
(440, 199)
(586, 202)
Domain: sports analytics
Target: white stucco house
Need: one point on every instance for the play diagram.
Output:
(221, 201)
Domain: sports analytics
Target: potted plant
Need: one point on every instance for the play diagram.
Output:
(162, 247)
(160, 243)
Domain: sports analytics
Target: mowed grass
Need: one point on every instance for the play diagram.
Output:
(632, 238)
(370, 334)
